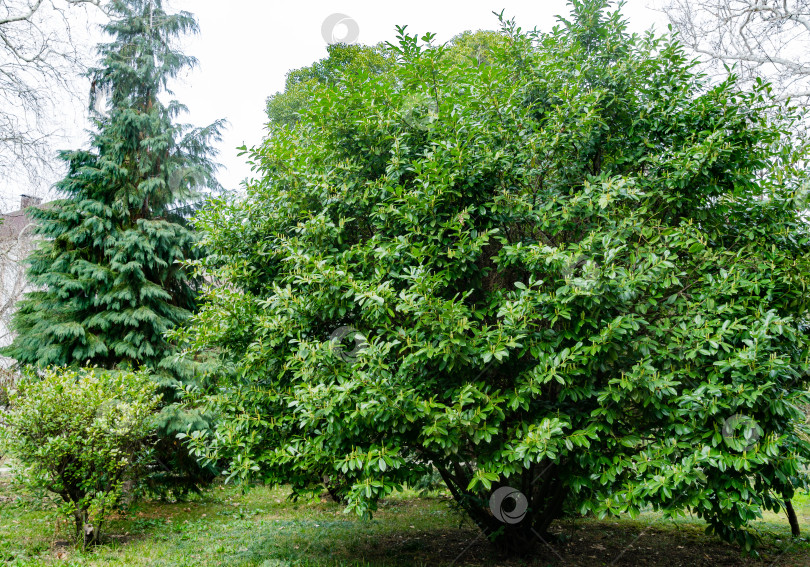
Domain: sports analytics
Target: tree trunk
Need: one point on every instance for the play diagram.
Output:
(515, 540)
(86, 533)
(333, 490)
(794, 521)
(516, 516)
(78, 517)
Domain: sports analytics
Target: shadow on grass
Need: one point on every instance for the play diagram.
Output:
(263, 529)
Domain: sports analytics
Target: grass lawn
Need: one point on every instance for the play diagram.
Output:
(262, 528)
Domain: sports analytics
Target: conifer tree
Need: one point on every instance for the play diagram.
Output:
(108, 274)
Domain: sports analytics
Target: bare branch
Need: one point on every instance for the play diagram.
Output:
(769, 39)
(40, 63)
(21, 17)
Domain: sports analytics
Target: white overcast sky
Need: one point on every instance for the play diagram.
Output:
(246, 47)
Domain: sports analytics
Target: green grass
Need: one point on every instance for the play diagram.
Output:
(262, 528)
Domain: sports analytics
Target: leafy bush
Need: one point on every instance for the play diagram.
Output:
(581, 273)
(80, 434)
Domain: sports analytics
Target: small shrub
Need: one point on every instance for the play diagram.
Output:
(79, 434)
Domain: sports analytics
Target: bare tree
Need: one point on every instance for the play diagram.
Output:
(40, 58)
(764, 38)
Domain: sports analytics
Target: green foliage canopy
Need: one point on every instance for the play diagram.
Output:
(576, 275)
(344, 60)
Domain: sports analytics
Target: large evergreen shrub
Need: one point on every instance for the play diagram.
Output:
(580, 273)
